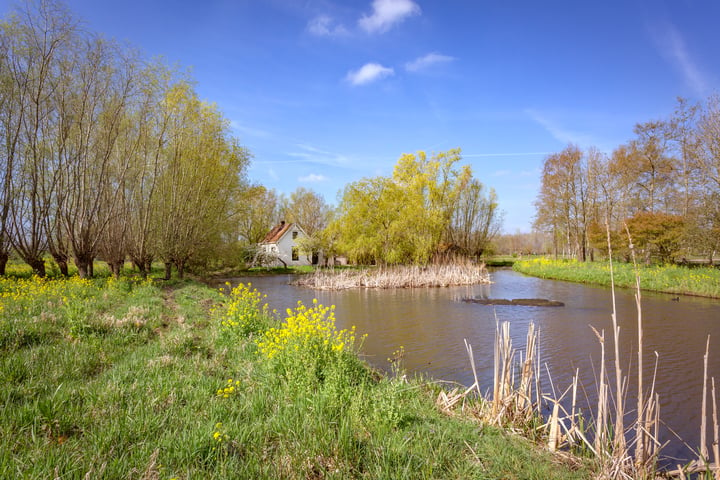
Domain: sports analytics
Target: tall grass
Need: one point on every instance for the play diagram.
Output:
(674, 279)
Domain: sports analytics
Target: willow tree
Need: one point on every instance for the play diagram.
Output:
(201, 174)
(476, 219)
(404, 218)
(364, 228)
(36, 41)
(257, 213)
(93, 170)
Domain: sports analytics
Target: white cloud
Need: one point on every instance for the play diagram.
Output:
(672, 46)
(325, 26)
(387, 13)
(313, 178)
(427, 61)
(368, 73)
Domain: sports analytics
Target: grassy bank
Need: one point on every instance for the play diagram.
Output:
(127, 379)
(674, 279)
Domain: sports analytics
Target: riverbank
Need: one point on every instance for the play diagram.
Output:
(129, 379)
(672, 279)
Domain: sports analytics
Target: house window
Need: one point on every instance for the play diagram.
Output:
(295, 234)
(295, 254)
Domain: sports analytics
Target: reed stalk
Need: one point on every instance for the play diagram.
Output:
(703, 423)
(602, 410)
(716, 434)
(640, 426)
(619, 440)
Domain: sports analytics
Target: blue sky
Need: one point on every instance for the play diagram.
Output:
(327, 92)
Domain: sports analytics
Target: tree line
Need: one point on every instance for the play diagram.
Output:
(104, 154)
(428, 208)
(659, 192)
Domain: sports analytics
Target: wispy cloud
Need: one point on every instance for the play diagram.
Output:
(249, 131)
(313, 178)
(671, 45)
(558, 131)
(369, 73)
(326, 26)
(427, 61)
(386, 14)
(519, 154)
(311, 154)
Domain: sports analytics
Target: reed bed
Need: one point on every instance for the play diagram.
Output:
(397, 277)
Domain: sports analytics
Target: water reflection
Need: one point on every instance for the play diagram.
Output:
(432, 323)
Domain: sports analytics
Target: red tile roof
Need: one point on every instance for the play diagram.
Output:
(277, 232)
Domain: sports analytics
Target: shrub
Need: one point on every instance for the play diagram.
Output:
(307, 349)
(243, 314)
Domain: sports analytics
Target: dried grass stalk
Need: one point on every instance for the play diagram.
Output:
(414, 276)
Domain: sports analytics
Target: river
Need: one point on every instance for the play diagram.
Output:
(431, 325)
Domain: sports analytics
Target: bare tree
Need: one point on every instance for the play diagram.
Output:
(39, 38)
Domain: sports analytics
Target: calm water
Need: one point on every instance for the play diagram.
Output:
(432, 323)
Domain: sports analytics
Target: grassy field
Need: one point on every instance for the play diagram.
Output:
(129, 379)
(674, 279)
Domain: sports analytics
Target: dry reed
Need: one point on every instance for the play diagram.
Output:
(440, 275)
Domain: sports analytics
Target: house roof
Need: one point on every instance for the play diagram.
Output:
(277, 232)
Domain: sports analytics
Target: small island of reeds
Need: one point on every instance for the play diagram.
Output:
(398, 276)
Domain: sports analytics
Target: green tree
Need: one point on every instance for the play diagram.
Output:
(202, 175)
(657, 234)
(404, 218)
(258, 212)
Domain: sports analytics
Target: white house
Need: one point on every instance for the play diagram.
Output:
(282, 243)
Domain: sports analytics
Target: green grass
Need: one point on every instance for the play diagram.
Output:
(674, 279)
(130, 379)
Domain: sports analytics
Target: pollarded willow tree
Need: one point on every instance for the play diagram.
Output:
(104, 155)
(199, 180)
(36, 42)
(409, 217)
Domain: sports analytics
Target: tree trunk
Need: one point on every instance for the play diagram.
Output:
(61, 261)
(141, 268)
(63, 266)
(168, 270)
(115, 268)
(84, 266)
(38, 266)
(4, 257)
(180, 268)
